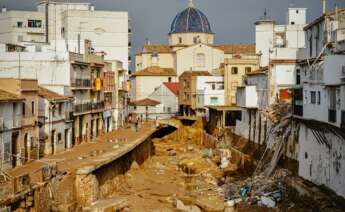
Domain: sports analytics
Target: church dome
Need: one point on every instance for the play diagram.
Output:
(190, 20)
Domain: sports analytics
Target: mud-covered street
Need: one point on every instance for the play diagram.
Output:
(185, 174)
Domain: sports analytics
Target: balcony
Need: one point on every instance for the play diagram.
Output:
(97, 107)
(96, 59)
(332, 115)
(82, 108)
(81, 84)
(69, 116)
(76, 57)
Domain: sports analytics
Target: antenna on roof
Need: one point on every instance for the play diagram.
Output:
(265, 13)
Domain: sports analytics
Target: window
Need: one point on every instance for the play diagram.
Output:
(292, 23)
(248, 69)
(60, 109)
(169, 79)
(195, 39)
(318, 97)
(169, 109)
(33, 107)
(180, 40)
(213, 86)
(59, 137)
(34, 23)
(23, 109)
(38, 48)
(298, 76)
(234, 70)
(312, 97)
(297, 11)
(154, 59)
(200, 60)
(19, 24)
(214, 100)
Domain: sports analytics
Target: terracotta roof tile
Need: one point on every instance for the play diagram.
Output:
(237, 48)
(157, 48)
(145, 102)
(173, 87)
(6, 96)
(156, 71)
(196, 73)
(50, 95)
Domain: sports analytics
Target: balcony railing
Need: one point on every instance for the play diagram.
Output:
(82, 108)
(81, 83)
(97, 106)
(332, 115)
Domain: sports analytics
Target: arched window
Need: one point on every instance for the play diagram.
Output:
(200, 60)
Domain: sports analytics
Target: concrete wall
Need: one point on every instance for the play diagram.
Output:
(319, 164)
(205, 93)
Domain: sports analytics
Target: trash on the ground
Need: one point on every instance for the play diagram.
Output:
(267, 201)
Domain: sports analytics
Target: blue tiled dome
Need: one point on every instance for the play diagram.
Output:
(190, 20)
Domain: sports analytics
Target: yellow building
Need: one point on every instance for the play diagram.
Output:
(235, 69)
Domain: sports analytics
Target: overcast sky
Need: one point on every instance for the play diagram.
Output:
(231, 20)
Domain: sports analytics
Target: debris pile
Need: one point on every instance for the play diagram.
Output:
(258, 190)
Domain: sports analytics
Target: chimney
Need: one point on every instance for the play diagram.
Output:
(3, 9)
(324, 3)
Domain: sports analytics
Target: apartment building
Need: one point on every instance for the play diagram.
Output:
(10, 128)
(71, 23)
(188, 92)
(56, 117)
(110, 96)
(27, 147)
(319, 102)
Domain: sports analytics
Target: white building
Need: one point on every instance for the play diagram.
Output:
(210, 92)
(167, 95)
(10, 128)
(56, 21)
(319, 103)
(279, 46)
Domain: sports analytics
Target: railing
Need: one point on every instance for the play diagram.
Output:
(82, 108)
(76, 57)
(332, 115)
(91, 58)
(69, 115)
(98, 106)
(81, 83)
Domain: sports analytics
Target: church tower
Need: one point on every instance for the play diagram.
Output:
(189, 27)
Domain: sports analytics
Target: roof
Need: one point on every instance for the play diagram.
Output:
(157, 48)
(196, 73)
(50, 95)
(237, 48)
(173, 87)
(322, 17)
(6, 96)
(156, 71)
(190, 20)
(144, 102)
(224, 108)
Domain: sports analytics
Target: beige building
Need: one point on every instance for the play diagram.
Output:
(187, 99)
(27, 145)
(190, 47)
(236, 67)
